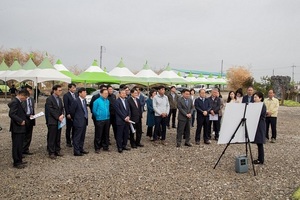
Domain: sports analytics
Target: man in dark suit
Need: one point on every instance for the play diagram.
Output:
(185, 106)
(122, 121)
(112, 98)
(249, 97)
(79, 114)
(173, 99)
(136, 116)
(55, 116)
(18, 123)
(215, 104)
(202, 106)
(68, 98)
(29, 108)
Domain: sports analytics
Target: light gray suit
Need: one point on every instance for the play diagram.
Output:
(185, 106)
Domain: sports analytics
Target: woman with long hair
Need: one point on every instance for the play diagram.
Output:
(150, 113)
(239, 95)
(231, 97)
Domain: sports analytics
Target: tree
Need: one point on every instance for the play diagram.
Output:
(9, 55)
(239, 77)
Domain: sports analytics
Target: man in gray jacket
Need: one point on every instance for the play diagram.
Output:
(185, 106)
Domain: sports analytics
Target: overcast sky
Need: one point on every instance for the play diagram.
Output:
(191, 34)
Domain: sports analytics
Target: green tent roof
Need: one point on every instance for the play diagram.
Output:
(168, 68)
(46, 64)
(29, 65)
(59, 62)
(146, 66)
(95, 63)
(190, 75)
(121, 64)
(15, 66)
(3, 66)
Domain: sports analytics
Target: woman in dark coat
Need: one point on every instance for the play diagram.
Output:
(150, 113)
(261, 129)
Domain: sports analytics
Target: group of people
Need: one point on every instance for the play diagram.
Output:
(124, 114)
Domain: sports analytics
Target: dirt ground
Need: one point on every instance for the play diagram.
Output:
(151, 172)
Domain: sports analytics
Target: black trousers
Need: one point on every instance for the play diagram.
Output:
(78, 138)
(261, 154)
(54, 135)
(150, 131)
(202, 122)
(193, 117)
(160, 127)
(273, 122)
(114, 125)
(138, 132)
(173, 113)
(27, 138)
(17, 147)
(101, 134)
(216, 128)
(122, 135)
(69, 130)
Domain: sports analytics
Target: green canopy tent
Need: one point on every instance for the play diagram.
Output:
(124, 75)
(62, 69)
(3, 69)
(94, 74)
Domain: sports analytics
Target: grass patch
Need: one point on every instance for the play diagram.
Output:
(296, 195)
(290, 103)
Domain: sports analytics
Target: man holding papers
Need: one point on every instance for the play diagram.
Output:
(55, 115)
(215, 104)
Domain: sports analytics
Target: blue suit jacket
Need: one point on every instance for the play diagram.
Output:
(245, 99)
(201, 107)
(121, 112)
(77, 113)
(68, 100)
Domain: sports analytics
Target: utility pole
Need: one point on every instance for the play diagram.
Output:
(273, 72)
(101, 47)
(222, 68)
(293, 73)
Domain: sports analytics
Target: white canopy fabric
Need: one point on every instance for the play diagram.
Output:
(149, 76)
(171, 76)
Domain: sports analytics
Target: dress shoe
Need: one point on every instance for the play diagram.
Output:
(273, 140)
(207, 142)
(133, 146)
(19, 166)
(140, 145)
(52, 156)
(24, 162)
(188, 144)
(69, 145)
(105, 149)
(84, 152)
(97, 151)
(257, 162)
(27, 153)
(178, 145)
(78, 154)
(59, 154)
(126, 148)
(197, 142)
(216, 138)
(120, 150)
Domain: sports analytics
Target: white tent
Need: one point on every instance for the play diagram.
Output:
(123, 74)
(149, 76)
(171, 76)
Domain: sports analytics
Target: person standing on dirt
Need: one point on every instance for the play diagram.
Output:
(272, 105)
(173, 99)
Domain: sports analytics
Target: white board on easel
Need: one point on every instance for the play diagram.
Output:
(233, 114)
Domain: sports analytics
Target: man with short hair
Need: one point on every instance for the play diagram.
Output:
(202, 106)
(17, 128)
(102, 121)
(55, 116)
(185, 106)
(112, 98)
(272, 105)
(79, 115)
(122, 121)
(136, 116)
(12, 91)
(161, 108)
(249, 97)
(68, 99)
(29, 108)
(215, 104)
(173, 99)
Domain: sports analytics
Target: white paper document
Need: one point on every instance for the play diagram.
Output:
(37, 115)
(213, 117)
(62, 123)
